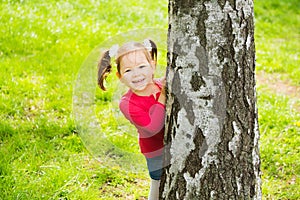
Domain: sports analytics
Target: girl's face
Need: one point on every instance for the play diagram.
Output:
(136, 72)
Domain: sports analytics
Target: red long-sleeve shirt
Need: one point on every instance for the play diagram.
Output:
(147, 115)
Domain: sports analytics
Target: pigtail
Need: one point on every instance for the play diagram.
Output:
(153, 50)
(151, 47)
(104, 68)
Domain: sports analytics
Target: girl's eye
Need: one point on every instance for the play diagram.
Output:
(142, 66)
(127, 70)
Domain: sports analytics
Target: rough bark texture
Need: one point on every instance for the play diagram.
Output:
(211, 126)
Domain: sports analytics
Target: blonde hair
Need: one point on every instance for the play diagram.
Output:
(105, 67)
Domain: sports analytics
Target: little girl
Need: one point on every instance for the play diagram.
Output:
(144, 103)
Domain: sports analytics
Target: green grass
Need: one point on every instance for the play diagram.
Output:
(42, 48)
(278, 37)
(280, 150)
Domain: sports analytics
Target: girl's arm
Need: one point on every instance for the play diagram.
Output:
(151, 122)
(155, 119)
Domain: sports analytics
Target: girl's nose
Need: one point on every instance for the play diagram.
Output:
(135, 72)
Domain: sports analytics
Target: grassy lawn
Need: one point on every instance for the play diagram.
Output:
(42, 47)
(278, 37)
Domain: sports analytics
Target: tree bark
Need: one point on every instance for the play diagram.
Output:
(212, 133)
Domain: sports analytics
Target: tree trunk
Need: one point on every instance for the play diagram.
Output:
(211, 125)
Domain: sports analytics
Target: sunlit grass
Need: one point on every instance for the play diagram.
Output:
(42, 46)
(280, 150)
(278, 37)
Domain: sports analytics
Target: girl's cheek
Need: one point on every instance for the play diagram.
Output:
(147, 70)
(126, 77)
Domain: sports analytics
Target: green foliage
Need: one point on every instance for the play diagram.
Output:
(42, 46)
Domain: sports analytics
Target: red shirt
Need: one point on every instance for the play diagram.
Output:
(148, 116)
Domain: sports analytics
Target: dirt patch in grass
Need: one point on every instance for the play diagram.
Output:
(279, 86)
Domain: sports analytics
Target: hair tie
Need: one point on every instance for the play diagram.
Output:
(113, 50)
(147, 44)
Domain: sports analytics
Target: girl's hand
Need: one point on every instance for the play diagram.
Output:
(162, 97)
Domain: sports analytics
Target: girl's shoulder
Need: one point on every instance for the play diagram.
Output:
(127, 96)
(124, 101)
